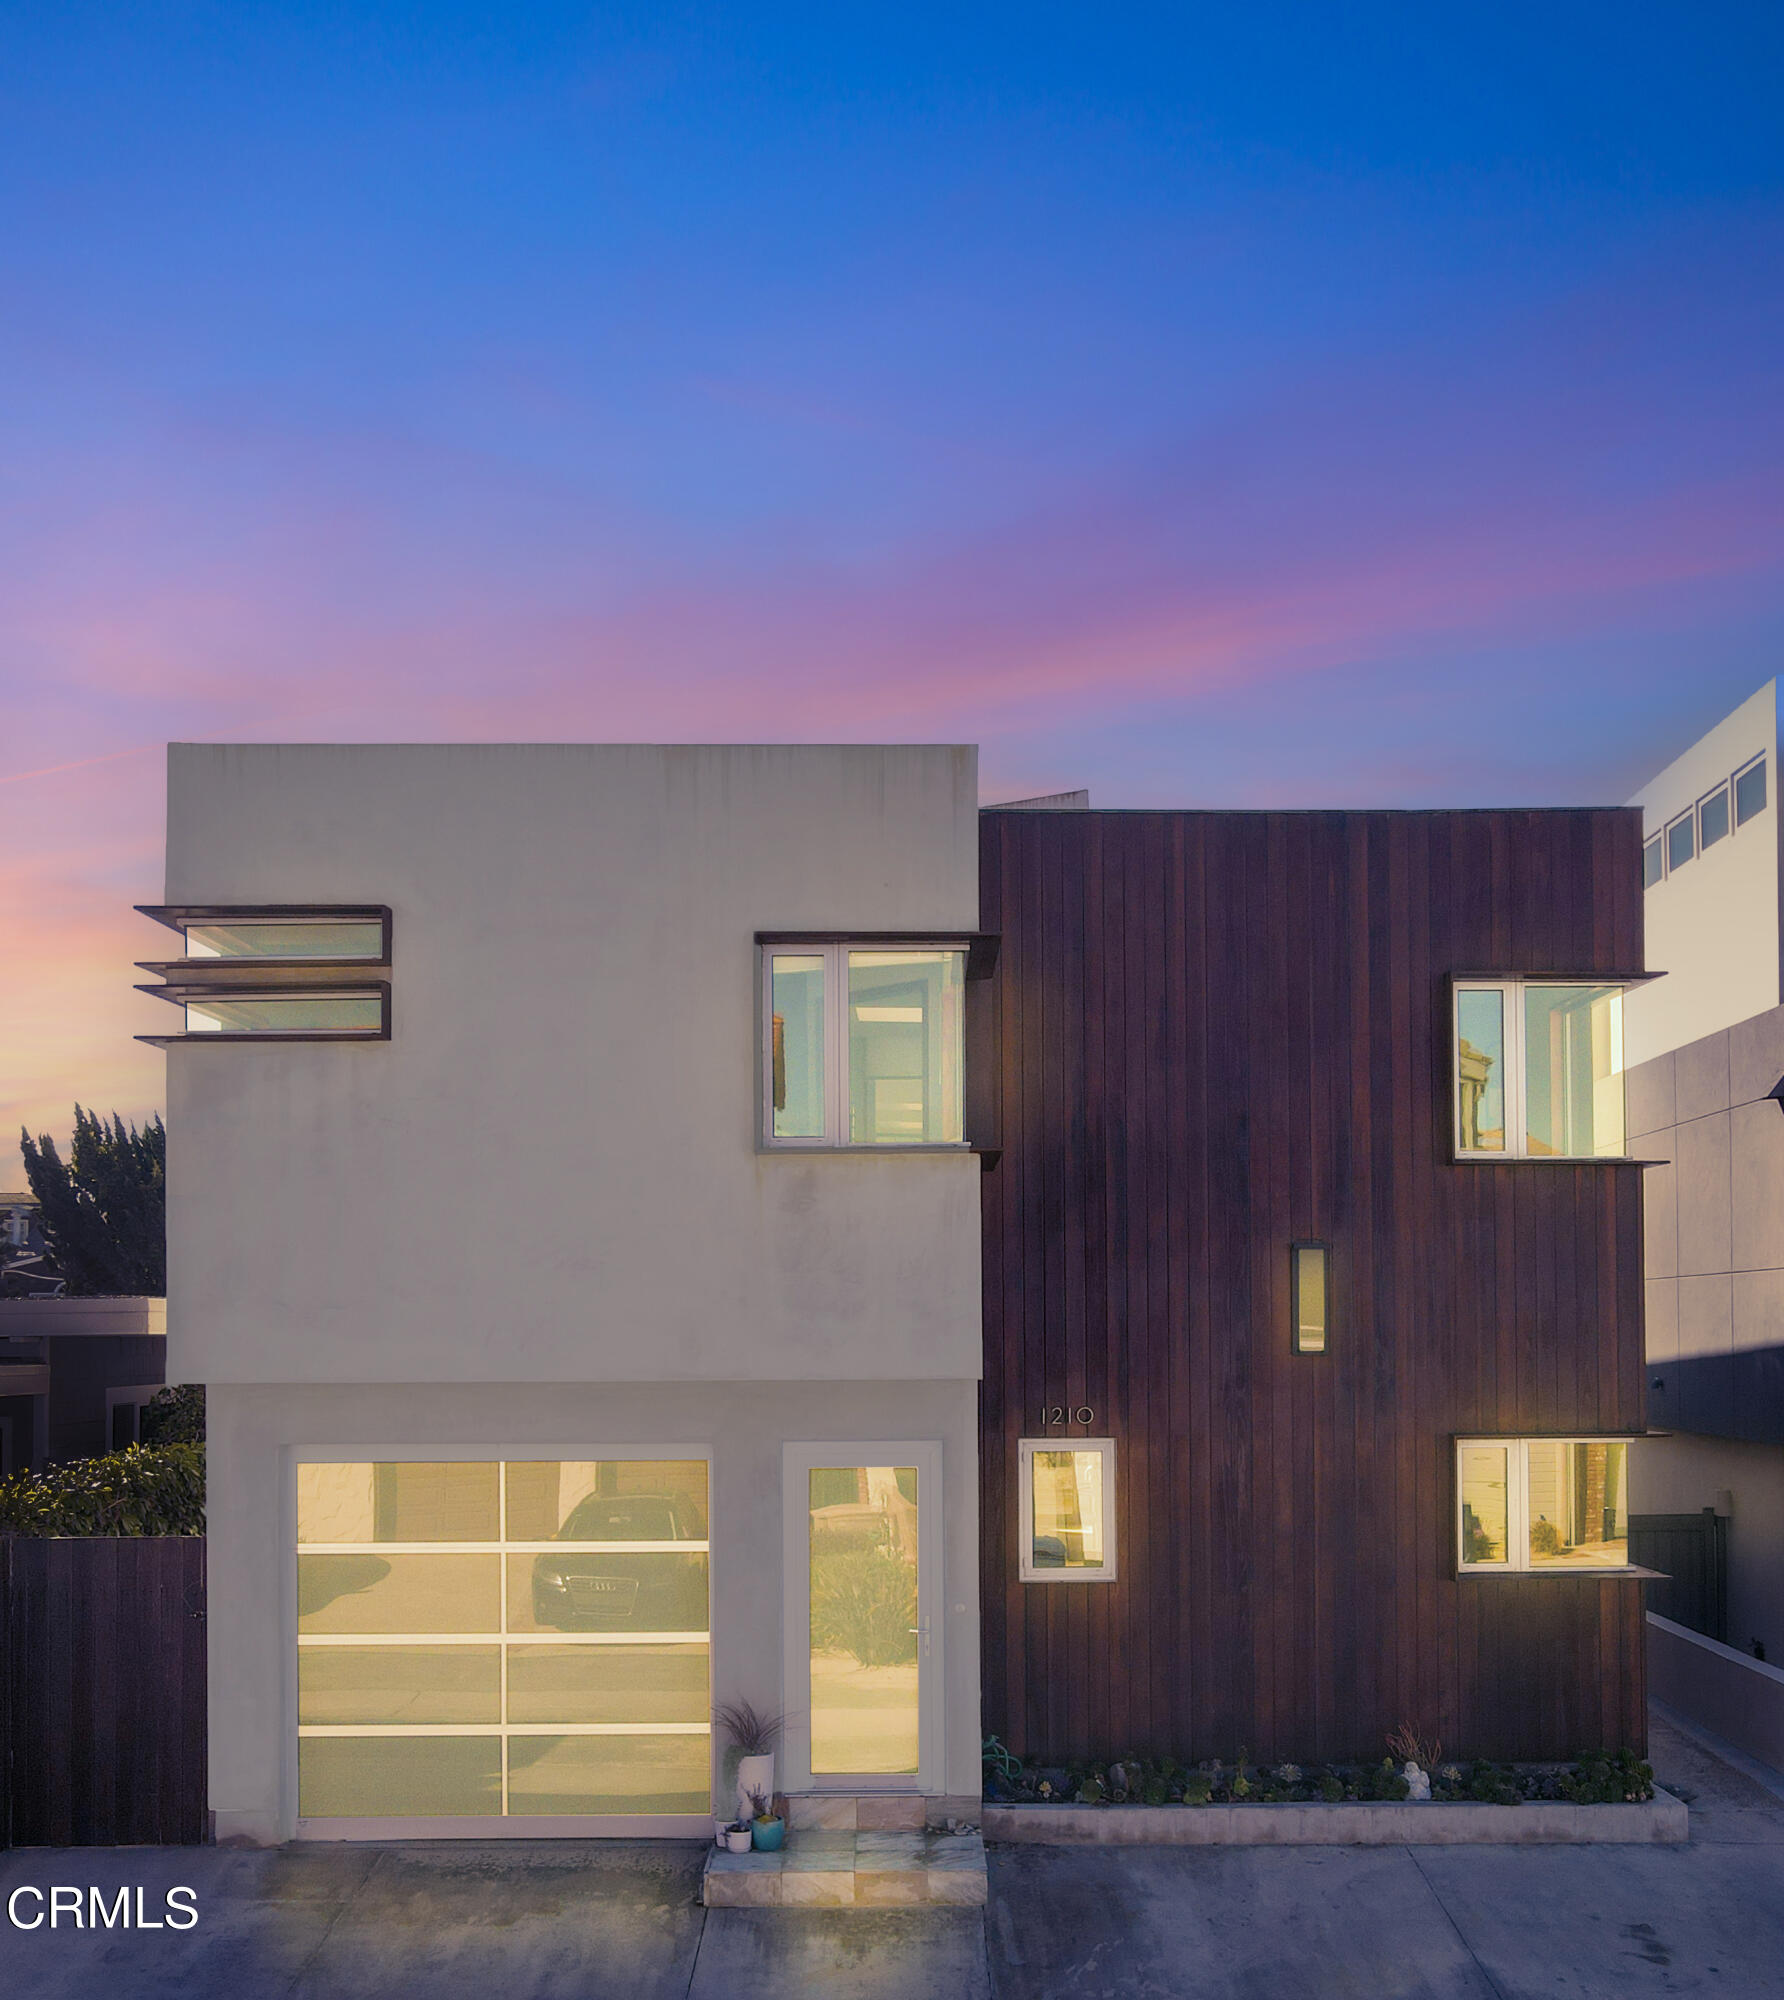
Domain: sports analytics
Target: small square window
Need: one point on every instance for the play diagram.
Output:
(1538, 1070)
(1542, 1506)
(864, 1045)
(1749, 791)
(1067, 1510)
(1653, 863)
(1681, 841)
(1712, 818)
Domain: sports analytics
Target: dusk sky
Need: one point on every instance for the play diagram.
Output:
(1252, 406)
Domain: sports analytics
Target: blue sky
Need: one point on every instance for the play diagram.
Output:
(1268, 405)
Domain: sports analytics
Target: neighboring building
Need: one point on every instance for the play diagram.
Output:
(488, 1533)
(1313, 1299)
(1274, 1177)
(75, 1375)
(1706, 1097)
(27, 1269)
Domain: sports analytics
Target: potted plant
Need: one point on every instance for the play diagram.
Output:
(753, 1732)
(767, 1828)
(735, 1838)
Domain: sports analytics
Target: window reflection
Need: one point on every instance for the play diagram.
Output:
(1068, 1510)
(864, 1663)
(905, 1029)
(1578, 1504)
(1485, 1503)
(350, 938)
(796, 1045)
(1480, 1070)
(1573, 1063)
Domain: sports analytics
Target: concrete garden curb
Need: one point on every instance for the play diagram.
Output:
(1542, 1822)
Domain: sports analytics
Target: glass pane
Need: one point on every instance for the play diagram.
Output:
(1068, 1510)
(399, 1594)
(1749, 793)
(608, 1500)
(585, 1591)
(1652, 865)
(1310, 1298)
(796, 1046)
(1712, 818)
(1578, 1504)
(1482, 1474)
(1480, 1070)
(864, 1671)
(609, 1774)
(286, 1014)
(428, 1501)
(1573, 1063)
(608, 1684)
(349, 939)
(905, 1039)
(1681, 843)
(399, 1684)
(385, 1777)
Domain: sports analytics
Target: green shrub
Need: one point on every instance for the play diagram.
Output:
(1331, 1788)
(1545, 1538)
(157, 1491)
(863, 1601)
(1604, 1780)
(175, 1415)
(1198, 1788)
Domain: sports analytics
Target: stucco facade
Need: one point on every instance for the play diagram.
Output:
(539, 1222)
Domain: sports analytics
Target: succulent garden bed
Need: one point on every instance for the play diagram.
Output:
(1605, 1779)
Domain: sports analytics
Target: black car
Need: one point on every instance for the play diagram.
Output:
(649, 1591)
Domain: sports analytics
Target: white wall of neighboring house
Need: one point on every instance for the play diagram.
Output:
(575, 1023)
(1713, 927)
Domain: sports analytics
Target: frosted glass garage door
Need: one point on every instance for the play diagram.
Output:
(503, 1638)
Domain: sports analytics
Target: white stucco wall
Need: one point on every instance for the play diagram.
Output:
(551, 1172)
(257, 1434)
(1712, 928)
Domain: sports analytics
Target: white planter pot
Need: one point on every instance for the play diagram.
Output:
(754, 1774)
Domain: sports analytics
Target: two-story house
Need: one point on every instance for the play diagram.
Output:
(1271, 1168)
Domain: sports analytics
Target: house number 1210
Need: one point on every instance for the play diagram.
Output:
(1059, 1414)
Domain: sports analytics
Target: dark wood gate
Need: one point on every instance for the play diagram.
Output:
(102, 1691)
(1691, 1553)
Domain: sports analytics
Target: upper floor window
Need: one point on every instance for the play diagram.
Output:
(287, 937)
(1681, 841)
(1653, 862)
(1749, 790)
(1538, 1069)
(864, 1045)
(1549, 1505)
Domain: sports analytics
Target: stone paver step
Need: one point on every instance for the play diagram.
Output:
(840, 1869)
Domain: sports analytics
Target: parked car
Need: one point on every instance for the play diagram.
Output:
(650, 1590)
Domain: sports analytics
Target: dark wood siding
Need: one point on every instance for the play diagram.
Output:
(1212, 1034)
(102, 1657)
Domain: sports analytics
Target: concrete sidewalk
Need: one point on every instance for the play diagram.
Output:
(590, 1921)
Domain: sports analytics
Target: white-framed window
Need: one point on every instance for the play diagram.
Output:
(1067, 1510)
(498, 1638)
(1714, 821)
(1749, 790)
(1542, 1506)
(1653, 862)
(1537, 1069)
(863, 1044)
(1681, 841)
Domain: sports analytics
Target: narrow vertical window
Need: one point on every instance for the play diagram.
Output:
(1712, 818)
(1749, 791)
(1485, 1491)
(1653, 863)
(1480, 1069)
(1681, 841)
(1573, 1064)
(796, 1054)
(1309, 1293)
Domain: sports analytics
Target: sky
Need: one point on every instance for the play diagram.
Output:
(1255, 405)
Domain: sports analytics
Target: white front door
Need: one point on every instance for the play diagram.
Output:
(863, 1631)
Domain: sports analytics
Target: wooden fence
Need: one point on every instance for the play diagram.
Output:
(102, 1691)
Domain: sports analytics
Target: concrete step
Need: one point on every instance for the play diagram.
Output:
(831, 1869)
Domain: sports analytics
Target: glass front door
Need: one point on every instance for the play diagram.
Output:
(862, 1546)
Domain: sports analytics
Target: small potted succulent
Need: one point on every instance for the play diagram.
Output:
(735, 1838)
(767, 1828)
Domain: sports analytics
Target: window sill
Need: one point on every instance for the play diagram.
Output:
(1496, 1575)
(1552, 1160)
(792, 1149)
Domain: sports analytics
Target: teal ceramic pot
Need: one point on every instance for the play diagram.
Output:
(767, 1834)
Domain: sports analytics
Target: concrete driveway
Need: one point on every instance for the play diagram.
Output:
(575, 1921)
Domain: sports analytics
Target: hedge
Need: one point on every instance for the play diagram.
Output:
(153, 1491)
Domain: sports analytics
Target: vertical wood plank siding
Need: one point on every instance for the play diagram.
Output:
(1211, 1034)
(102, 1657)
